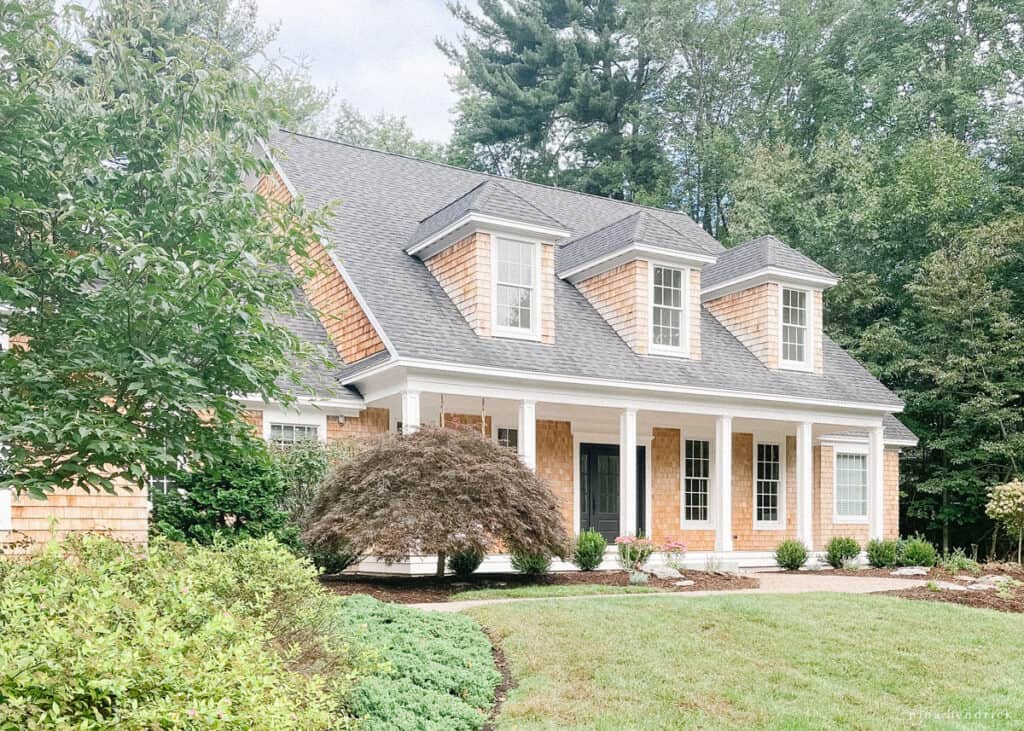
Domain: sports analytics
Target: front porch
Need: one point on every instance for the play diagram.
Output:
(730, 480)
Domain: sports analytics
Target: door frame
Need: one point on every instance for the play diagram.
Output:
(584, 437)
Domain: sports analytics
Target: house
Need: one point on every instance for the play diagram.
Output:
(659, 383)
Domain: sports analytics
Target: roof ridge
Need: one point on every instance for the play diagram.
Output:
(454, 200)
(639, 206)
(596, 231)
(541, 211)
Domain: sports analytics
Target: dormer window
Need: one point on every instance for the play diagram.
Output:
(668, 311)
(515, 288)
(795, 340)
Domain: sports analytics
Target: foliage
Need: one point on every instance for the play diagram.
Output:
(464, 563)
(675, 552)
(236, 498)
(436, 491)
(437, 669)
(958, 561)
(96, 636)
(137, 261)
(384, 132)
(791, 554)
(303, 467)
(590, 545)
(1006, 504)
(916, 551)
(634, 551)
(840, 550)
(882, 554)
(531, 563)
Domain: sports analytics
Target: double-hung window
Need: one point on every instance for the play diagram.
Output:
(286, 435)
(851, 487)
(768, 486)
(668, 318)
(696, 478)
(796, 347)
(515, 288)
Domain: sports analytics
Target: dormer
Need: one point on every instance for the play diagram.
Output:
(492, 252)
(770, 297)
(644, 277)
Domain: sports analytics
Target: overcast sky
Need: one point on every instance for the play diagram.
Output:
(379, 53)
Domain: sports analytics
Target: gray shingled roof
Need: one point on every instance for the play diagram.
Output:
(489, 197)
(639, 228)
(893, 429)
(756, 254)
(378, 201)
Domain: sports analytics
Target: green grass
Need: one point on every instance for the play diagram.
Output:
(765, 662)
(554, 590)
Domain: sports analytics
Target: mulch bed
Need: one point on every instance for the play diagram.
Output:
(935, 574)
(416, 589)
(983, 599)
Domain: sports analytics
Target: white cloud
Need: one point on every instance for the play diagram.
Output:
(380, 54)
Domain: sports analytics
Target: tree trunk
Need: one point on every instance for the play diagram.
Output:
(440, 564)
(945, 521)
(995, 542)
(1020, 540)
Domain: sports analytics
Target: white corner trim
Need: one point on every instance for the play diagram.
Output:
(763, 276)
(6, 498)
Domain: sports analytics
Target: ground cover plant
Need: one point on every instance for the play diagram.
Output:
(435, 670)
(742, 662)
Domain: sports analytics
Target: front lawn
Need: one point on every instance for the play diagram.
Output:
(552, 590)
(795, 662)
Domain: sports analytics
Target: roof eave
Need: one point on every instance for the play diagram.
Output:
(767, 274)
(630, 252)
(457, 230)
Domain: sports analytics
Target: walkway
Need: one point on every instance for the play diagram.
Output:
(771, 583)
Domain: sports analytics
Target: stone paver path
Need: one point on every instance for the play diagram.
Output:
(771, 583)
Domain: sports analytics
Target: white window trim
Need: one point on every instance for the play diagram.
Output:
(685, 524)
(837, 517)
(780, 524)
(295, 417)
(496, 425)
(5, 340)
(499, 331)
(807, 364)
(683, 351)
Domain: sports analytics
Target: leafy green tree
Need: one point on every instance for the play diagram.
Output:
(385, 132)
(136, 261)
(563, 90)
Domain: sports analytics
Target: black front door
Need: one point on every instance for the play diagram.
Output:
(599, 489)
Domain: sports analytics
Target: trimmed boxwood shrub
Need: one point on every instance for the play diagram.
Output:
(590, 548)
(882, 554)
(791, 555)
(464, 563)
(531, 564)
(916, 551)
(840, 550)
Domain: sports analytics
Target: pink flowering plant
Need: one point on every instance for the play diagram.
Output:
(675, 552)
(634, 551)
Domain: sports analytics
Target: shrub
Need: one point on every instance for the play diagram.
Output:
(916, 551)
(840, 550)
(436, 669)
(531, 564)
(590, 548)
(634, 551)
(238, 498)
(1006, 504)
(435, 491)
(229, 637)
(464, 563)
(958, 561)
(882, 554)
(791, 555)
(675, 552)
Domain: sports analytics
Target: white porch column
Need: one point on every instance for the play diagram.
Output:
(410, 411)
(805, 484)
(876, 483)
(528, 433)
(627, 472)
(723, 484)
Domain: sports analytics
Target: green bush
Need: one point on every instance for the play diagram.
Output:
(531, 564)
(590, 548)
(882, 554)
(840, 550)
(236, 499)
(958, 561)
(464, 563)
(791, 555)
(437, 671)
(916, 551)
(227, 637)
